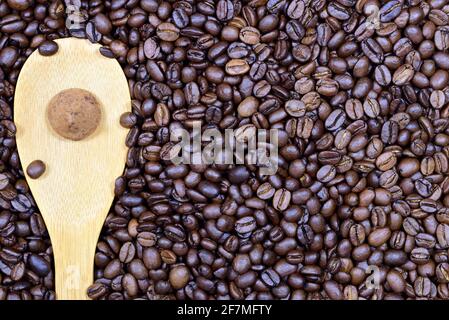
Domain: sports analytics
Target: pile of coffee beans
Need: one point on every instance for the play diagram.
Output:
(359, 93)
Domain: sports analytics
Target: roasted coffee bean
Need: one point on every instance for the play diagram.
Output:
(373, 50)
(371, 108)
(146, 239)
(265, 191)
(354, 109)
(102, 23)
(335, 120)
(92, 33)
(403, 75)
(386, 161)
(327, 87)
(442, 233)
(270, 278)
(382, 75)
(326, 173)
(390, 10)
(39, 265)
(127, 252)
(437, 99)
(245, 225)
(411, 226)
(225, 10)
(305, 234)
(357, 234)
(48, 48)
(295, 30)
(249, 35)
(248, 107)
(106, 52)
(389, 132)
(36, 169)
(442, 272)
(281, 199)
(442, 38)
(396, 281)
(295, 9)
(128, 120)
(167, 31)
(237, 67)
(338, 11)
(179, 277)
(379, 236)
(295, 108)
(151, 48)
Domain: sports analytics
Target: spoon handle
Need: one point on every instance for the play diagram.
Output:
(74, 250)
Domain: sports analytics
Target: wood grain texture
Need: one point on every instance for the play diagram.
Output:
(76, 191)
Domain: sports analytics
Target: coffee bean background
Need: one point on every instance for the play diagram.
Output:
(360, 99)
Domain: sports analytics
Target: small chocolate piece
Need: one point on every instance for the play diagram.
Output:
(74, 113)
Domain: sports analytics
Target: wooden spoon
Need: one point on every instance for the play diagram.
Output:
(75, 193)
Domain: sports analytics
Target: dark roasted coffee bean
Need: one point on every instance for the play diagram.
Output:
(106, 52)
(249, 35)
(179, 277)
(8, 56)
(295, 9)
(390, 10)
(390, 131)
(237, 67)
(167, 31)
(371, 108)
(295, 30)
(281, 199)
(128, 120)
(265, 191)
(382, 75)
(92, 33)
(326, 173)
(180, 17)
(295, 108)
(305, 234)
(225, 10)
(442, 233)
(245, 225)
(36, 169)
(396, 281)
(338, 11)
(373, 50)
(127, 252)
(270, 278)
(39, 265)
(335, 120)
(48, 48)
(151, 48)
(354, 109)
(247, 107)
(442, 38)
(403, 75)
